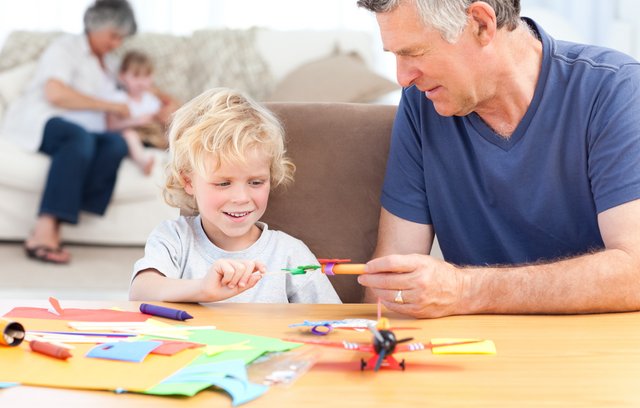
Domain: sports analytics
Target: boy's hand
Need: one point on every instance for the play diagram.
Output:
(229, 277)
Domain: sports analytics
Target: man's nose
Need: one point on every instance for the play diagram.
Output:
(406, 73)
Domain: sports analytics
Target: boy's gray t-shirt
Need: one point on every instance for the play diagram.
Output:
(180, 249)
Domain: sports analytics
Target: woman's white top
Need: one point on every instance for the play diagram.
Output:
(68, 59)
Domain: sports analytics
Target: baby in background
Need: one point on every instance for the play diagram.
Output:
(226, 152)
(136, 76)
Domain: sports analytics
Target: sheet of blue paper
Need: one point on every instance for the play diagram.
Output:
(240, 391)
(230, 375)
(134, 351)
(8, 384)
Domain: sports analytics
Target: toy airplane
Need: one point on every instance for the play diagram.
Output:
(329, 267)
(383, 346)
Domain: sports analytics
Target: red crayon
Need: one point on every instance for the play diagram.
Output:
(49, 349)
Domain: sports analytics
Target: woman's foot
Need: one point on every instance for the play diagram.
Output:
(44, 243)
(44, 253)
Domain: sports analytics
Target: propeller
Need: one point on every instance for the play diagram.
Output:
(376, 333)
(380, 359)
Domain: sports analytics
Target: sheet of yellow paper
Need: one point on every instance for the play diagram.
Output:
(30, 368)
(481, 347)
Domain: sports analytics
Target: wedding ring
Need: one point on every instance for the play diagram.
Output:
(398, 298)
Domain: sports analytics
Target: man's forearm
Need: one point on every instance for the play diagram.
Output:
(605, 281)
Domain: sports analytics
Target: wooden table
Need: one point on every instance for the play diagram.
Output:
(586, 360)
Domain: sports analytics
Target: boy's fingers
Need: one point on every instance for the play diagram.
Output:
(225, 269)
(236, 274)
(253, 279)
(251, 269)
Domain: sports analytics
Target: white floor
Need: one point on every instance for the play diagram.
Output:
(94, 273)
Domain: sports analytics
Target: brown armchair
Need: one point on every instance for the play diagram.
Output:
(340, 151)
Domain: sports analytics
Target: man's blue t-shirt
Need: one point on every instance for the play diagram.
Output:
(533, 196)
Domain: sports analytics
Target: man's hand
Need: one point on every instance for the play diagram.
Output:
(429, 287)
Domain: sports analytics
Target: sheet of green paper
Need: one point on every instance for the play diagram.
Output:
(259, 346)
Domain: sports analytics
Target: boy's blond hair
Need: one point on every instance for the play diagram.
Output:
(222, 125)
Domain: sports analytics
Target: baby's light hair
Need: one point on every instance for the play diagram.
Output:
(221, 125)
(136, 62)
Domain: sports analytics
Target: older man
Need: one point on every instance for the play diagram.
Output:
(521, 152)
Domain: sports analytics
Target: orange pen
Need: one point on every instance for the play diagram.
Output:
(340, 267)
(49, 349)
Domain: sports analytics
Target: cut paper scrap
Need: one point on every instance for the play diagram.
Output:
(170, 347)
(78, 372)
(480, 347)
(134, 351)
(150, 323)
(151, 327)
(70, 338)
(212, 350)
(230, 375)
(56, 308)
(95, 315)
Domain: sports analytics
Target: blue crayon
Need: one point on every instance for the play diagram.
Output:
(167, 312)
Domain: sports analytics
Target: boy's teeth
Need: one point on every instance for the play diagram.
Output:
(238, 214)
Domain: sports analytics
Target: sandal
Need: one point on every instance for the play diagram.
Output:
(42, 253)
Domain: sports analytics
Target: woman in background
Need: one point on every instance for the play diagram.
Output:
(63, 114)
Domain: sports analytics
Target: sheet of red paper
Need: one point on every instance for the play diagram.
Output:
(170, 347)
(79, 315)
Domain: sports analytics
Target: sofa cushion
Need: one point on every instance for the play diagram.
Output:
(12, 82)
(340, 151)
(24, 46)
(228, 58)
(336, 78)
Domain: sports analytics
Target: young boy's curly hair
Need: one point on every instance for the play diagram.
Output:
(221, 126)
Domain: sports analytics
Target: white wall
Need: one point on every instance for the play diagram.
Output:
(612, 23)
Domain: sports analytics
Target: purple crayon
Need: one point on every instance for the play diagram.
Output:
(167, 312)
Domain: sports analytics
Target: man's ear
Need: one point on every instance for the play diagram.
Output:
(483, 21)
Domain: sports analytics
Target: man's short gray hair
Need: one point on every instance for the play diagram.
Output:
(449, 17)
(116, 14)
